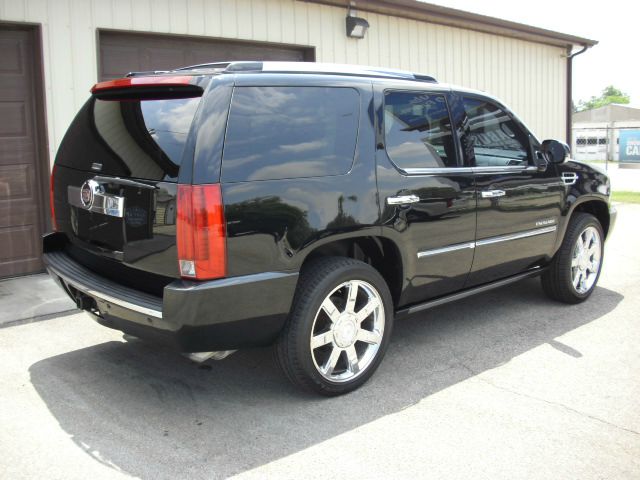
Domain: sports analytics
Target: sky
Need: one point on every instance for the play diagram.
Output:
(613, 23)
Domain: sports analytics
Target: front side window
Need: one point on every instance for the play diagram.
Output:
(290, 132)
(491, 138)
(417, 130)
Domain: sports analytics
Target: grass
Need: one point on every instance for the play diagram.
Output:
(626, 197)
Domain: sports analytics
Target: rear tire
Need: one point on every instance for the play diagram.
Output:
(574, 271)
(339, 326)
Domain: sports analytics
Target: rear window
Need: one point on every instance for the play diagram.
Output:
(142, 139)
(290, 132)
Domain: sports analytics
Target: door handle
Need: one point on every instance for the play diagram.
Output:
(403, 199)
(493, 193)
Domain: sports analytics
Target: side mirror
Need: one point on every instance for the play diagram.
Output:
(555, 151)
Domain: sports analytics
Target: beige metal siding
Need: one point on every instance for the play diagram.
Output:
(529, 77)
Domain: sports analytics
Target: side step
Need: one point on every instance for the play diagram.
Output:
(467, 293)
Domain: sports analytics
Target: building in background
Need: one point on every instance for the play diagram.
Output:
(53, 51)
(609, 133)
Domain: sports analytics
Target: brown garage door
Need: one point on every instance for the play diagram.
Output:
(122, 52)
(22, 187)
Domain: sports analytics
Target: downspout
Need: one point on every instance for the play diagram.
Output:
(570, 89)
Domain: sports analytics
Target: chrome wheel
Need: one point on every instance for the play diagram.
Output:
(347, 331)
(585, 261)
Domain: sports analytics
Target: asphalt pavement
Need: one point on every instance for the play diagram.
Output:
(503, 385)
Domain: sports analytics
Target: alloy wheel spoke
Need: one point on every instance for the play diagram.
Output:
(372, 338)
(352, 359)
(575, 261)
(590, 240)
(352, 295)
(583, 284)
(330, 309)
(330, 365)
(576, 279)
(367, 310)
(321, 340)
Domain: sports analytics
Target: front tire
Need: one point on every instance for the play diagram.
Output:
(575, 269)
(339, 326)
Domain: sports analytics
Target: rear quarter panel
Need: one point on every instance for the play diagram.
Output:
(272, 225)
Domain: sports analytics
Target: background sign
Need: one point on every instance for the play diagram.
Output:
(629, 145)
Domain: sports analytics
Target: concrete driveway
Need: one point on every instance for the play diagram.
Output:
(503, 385)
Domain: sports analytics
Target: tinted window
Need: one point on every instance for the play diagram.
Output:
(130, 138)
(418, 130)
(289, 132)
(492, 138)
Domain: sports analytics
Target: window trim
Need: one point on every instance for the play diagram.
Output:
(474, 170)
(459, 168)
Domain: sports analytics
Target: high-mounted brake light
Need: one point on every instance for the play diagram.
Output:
(54, 223)
(200, 229)
(141, 82)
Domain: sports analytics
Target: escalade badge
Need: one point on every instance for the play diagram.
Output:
(87, 193)
(546, 221)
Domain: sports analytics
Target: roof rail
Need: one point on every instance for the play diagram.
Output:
(146, 72)
(308, 67)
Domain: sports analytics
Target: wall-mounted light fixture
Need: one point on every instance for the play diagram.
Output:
(356, 26)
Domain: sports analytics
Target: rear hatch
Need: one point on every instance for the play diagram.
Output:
(115, 177)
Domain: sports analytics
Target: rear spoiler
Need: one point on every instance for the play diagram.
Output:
(151, 87)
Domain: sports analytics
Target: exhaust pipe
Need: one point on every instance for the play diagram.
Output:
(200, 357)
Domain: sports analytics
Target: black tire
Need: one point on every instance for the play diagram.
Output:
(557, 281)
(293, 351)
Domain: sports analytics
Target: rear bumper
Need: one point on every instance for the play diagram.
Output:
(221, 314)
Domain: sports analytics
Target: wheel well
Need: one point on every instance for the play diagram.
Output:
(381, 253)
(598, 209)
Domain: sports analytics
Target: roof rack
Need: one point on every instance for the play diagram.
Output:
(303, 67)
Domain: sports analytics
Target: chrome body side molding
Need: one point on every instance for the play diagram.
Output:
(516, 236)
(488, 241)
(451, 248)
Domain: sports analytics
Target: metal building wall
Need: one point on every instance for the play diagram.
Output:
(529, 77)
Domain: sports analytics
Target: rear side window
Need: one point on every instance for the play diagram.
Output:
(290, 132)
(417, 130)
(492, 137)
(132, 138)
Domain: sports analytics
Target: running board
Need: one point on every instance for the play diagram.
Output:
(467, 293)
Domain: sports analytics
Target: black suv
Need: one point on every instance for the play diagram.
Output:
(224, 206)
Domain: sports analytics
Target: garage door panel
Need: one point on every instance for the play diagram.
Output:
(16, 243)
(16, 182)
(17, 150)
(122, 52)
(119, 55)
(17, 127)
(21, 201)
(12, 56)
(164, 58)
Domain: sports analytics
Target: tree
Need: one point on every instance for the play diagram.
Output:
(609, 95)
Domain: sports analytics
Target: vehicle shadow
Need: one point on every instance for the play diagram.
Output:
(155, 415)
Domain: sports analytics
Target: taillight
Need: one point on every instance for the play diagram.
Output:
(54, 223)
(200, 232)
